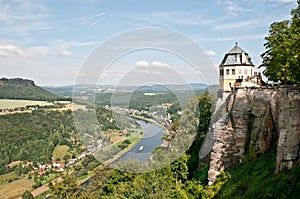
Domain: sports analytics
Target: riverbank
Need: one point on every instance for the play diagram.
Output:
(151, 121)
(124, 151)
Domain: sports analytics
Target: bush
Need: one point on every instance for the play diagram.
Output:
(27, 195)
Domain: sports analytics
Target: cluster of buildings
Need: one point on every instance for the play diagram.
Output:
(75, 160)
(41, 169)
(8, 110)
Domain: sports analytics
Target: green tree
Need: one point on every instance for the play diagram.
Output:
(27, 195)
(282, 56)
(205, 110)
(67, 188)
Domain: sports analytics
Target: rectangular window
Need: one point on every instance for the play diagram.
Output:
(245, 72)
(233, 71)
(227, 71)
(221, 72)
(240, 71)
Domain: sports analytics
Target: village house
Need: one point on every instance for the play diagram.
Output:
(41, 173)
(56, 165)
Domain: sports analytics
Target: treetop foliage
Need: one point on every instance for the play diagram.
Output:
(282, 56)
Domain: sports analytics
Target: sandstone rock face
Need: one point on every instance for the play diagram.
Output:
(16, 81)
(252, 122)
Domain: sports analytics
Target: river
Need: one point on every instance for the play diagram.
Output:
(151, 140)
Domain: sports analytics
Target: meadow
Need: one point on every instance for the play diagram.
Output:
(4, 179)
(8, 103)
(60, 152)
(15, 188)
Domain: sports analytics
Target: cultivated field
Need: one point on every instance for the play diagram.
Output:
(60, 151)
(15, 188)
(8, 103)
(6, 177)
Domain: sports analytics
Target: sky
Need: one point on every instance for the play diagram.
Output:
(52, 42)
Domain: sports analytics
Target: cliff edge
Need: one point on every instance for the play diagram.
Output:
(251, 122)
(16, 81)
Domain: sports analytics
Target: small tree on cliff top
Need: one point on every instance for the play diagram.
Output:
(282, 56)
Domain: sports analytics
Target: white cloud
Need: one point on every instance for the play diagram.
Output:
(237, 38)
(65, 52)
(20, 18)
(93, 20)
(81, 74)
(10, 51)
(210, 53)
(167, 19)
(54, 48)
(59, 45)
(147, 71)
(240, 24)
(159, 64)
(38, 51)
(142, 63)
(104, 74)
(284, 1)
(153, 63)
(234, 7)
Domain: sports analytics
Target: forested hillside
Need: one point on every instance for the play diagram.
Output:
(25, 89)
(33, 136)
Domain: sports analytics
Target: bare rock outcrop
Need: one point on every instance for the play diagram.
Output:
(16, 81)
(252, 122)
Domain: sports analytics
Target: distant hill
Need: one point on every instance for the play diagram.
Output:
(18, 88)
(65, 91)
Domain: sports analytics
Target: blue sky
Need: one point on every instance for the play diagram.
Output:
(48, 41)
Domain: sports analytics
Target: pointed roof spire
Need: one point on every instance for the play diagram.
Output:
(236, 56)
(236, 49)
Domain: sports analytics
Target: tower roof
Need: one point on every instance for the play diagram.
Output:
(236, 49)
(236, 56)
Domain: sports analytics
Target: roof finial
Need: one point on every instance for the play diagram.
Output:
(236, 43)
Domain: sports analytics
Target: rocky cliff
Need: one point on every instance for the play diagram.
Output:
(250, 122)
(16, 81)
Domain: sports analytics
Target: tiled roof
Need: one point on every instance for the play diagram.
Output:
(236, 56)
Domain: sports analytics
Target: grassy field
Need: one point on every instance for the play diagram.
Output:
(16, 188)
(5, 178)
(42, 196)
(60, 151)
(7, 103)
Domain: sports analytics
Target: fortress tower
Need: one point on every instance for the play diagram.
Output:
(237, 70)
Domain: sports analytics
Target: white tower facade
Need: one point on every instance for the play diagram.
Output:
(235, 68)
